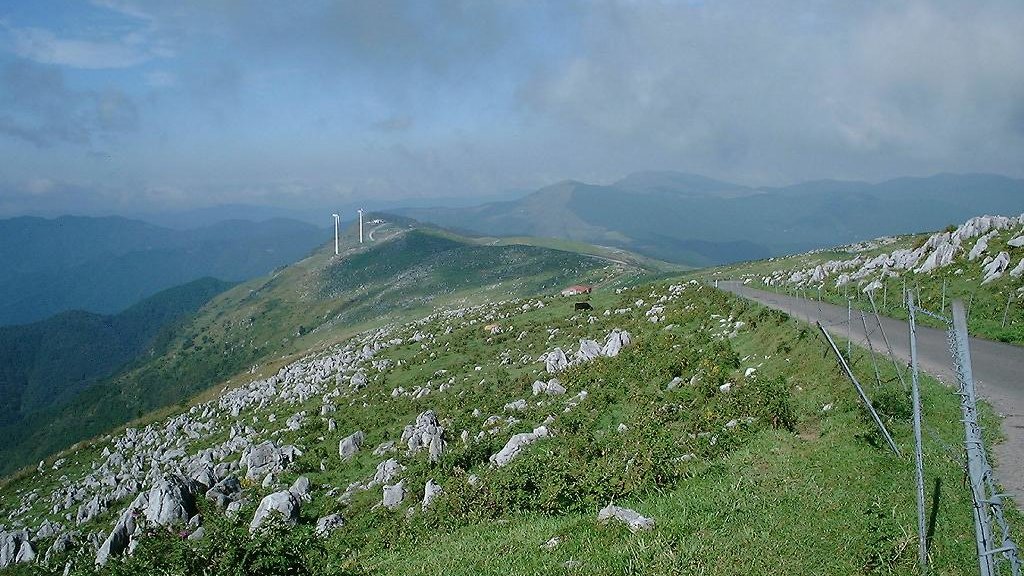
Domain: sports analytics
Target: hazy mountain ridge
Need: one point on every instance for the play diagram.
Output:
(700, 221)
(45, 363)
(104, 265)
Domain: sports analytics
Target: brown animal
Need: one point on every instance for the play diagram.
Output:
(583, 306)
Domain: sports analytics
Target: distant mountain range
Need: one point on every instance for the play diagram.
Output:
(104, 265)
(44, 363)
(695, 220)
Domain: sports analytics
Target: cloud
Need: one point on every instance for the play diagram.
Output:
(268, 101)
(40, 108)
(45, 47)
(769, 90)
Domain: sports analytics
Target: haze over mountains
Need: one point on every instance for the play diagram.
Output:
(44, 363)
(694, 220)
(104, 265)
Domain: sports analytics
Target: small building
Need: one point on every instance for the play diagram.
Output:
(577, 290)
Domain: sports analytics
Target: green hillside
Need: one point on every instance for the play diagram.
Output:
(721, 421)
(307, 305)
(45, 363)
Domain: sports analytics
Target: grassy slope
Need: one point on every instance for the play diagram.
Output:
(987, 303)
(822, 497)
(307, 305)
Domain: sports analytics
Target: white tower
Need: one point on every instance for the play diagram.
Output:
(337, 220)
(360, 225)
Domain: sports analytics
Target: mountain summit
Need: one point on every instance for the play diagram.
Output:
(698, 221)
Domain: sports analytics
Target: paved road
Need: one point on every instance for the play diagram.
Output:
(998, 368)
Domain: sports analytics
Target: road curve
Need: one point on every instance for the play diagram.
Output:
(998, 368)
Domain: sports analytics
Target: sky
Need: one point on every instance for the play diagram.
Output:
(124, 106)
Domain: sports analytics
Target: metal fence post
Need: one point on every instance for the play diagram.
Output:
(860, 392)
(987, 503)
(915, 392)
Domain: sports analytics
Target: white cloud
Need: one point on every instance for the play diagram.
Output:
(45, 47)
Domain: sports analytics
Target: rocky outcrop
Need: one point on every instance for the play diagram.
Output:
(301, 489)
(589, 349)
(328, 524)
(283, 504)
(630, 518)
(268, 458)
(431, 491)
(350, 444)
(394, 495)
(225, 492)
(170, 501)
(995, 268)
(552, 387)
(516, 444)
(15, 547)
(387, 471)
(615, 342)
(555, 361)
(425, 433)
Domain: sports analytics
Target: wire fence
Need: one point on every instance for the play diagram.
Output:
(997, 552)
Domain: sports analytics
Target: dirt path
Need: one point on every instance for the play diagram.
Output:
(998, 368)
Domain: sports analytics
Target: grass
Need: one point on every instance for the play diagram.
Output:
(795, 490)
(311, 304)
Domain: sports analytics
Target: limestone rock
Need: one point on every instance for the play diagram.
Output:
(516, 406)
(630, 518)
(393, 495)
(328, 524)
(996, 267)
(552, 387)
(515, 444)
(283, 503)
(430, 492)
(589, 350)
(616, 341)
(555, 361)
(351, 444)
(268, 458)
(225, 492)
(387, 471)
(426, 432)
(170, 501)
(61, 545)
(300, 488)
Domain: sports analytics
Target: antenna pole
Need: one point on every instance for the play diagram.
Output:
(360, 225)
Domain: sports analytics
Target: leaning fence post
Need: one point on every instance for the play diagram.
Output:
(860, 391)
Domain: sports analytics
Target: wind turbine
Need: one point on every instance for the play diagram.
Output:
(337, 220)
(360, 225)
